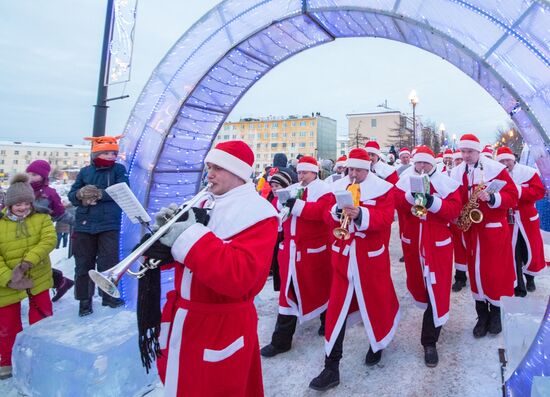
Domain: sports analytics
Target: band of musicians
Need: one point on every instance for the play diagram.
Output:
(468, 219)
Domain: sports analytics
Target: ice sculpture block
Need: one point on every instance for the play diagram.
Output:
(541, 386)
(521, 318)
(66, 355)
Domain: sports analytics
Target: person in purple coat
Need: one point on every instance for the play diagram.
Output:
(47, 201)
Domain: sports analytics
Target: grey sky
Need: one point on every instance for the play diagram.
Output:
(50, 61)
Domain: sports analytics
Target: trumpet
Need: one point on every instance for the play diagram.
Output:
(108, 280)
(342, 232)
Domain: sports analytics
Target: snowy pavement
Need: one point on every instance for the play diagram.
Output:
(467, 366)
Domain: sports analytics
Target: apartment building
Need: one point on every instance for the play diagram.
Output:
(313, 135)
(16, 156)
(342, 146)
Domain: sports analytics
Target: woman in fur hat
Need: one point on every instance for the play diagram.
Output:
(28, 238)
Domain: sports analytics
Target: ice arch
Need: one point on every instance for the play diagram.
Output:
(504, 45)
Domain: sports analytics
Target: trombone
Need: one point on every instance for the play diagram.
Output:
(342, 232)
(108, 280)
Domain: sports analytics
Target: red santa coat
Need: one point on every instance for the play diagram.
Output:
(526, 217)
(459, 248)
(209, 323)
(427, 243)
(362, 288)
(489, 244)
(385, 171)
(304, 254)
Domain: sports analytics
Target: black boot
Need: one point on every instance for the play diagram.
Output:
(530, 285)
(85, 307)
(520, 292)
(112, 302)
(430, 356)
(460, 280)
(281, 340)
(495, 326)
(482, 325)
(327, 379)
(373, 358)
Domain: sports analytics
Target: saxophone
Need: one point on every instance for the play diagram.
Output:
(471, 213)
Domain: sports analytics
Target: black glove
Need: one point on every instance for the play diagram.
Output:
(492, 199)
(201, 215)
(429, 200)
(290, 203)
(157, 250)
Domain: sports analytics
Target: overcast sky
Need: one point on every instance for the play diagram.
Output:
(50, 63)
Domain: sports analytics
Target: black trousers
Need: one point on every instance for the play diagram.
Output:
(332, 361)
(285, 328)
(430, 333)
(521, 258)
(460, 275)
(89, 249)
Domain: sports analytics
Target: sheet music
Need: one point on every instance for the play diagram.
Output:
(282, 195)
(129, 203)
(417, 184)
(495, 186)
(343, 199)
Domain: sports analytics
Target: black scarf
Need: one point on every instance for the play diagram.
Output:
(148, 317)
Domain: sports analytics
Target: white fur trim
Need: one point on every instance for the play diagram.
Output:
(466, 144)
(498, 201)
(457, 155)
(436, 205)
(214, 356)
(358, 163)
(505, 156)
(186, 240)
(365, 219)
(423, 157)
(307, 167)
(298, 207)
(373, 150)
(404, 152)
(230, 163)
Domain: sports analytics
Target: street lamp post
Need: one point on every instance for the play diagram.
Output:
(413, 99)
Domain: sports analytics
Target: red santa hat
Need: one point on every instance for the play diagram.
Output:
(340, 162)
(404, 150)
(307, 163)
(373, 147)
(457, 155)
(505, 153)
(425, 154)
(358, 158)
(469, 141)
(439, 158)
(448, 153)
(487, 151)
(233, 156)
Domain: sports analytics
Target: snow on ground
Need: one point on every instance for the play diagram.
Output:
(467, 366)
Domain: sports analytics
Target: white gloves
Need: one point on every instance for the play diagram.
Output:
(164, 215)
(177, 228)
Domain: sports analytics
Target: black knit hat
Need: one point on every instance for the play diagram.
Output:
(282, 178)
(20, 191)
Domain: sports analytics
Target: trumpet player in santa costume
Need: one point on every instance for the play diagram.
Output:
(488, 241)
(447, 165)
(304, 257)
(362, 288)
(209, 323)
(524, 222)
(379, 167)
(427, 243)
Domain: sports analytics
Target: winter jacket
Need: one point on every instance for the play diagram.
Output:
(105, 215)
(48, 201)
(34, 247)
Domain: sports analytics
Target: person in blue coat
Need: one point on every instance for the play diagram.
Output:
(97, 220)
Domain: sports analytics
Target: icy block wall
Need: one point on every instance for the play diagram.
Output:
(66, 355)
(521, 318)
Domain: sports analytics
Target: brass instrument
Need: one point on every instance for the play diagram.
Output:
(471, 213)
(419, 208)
(108, 280)
(342, 232)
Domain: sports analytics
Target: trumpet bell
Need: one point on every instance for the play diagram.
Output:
(105, 282)
(341, 233)
(476, 216)
(419, 210)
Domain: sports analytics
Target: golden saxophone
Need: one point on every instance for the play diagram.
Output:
(470, 213)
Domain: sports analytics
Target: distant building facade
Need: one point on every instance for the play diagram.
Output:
(64, 159)
(342, 146)
(384, 125)
(293, 135)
